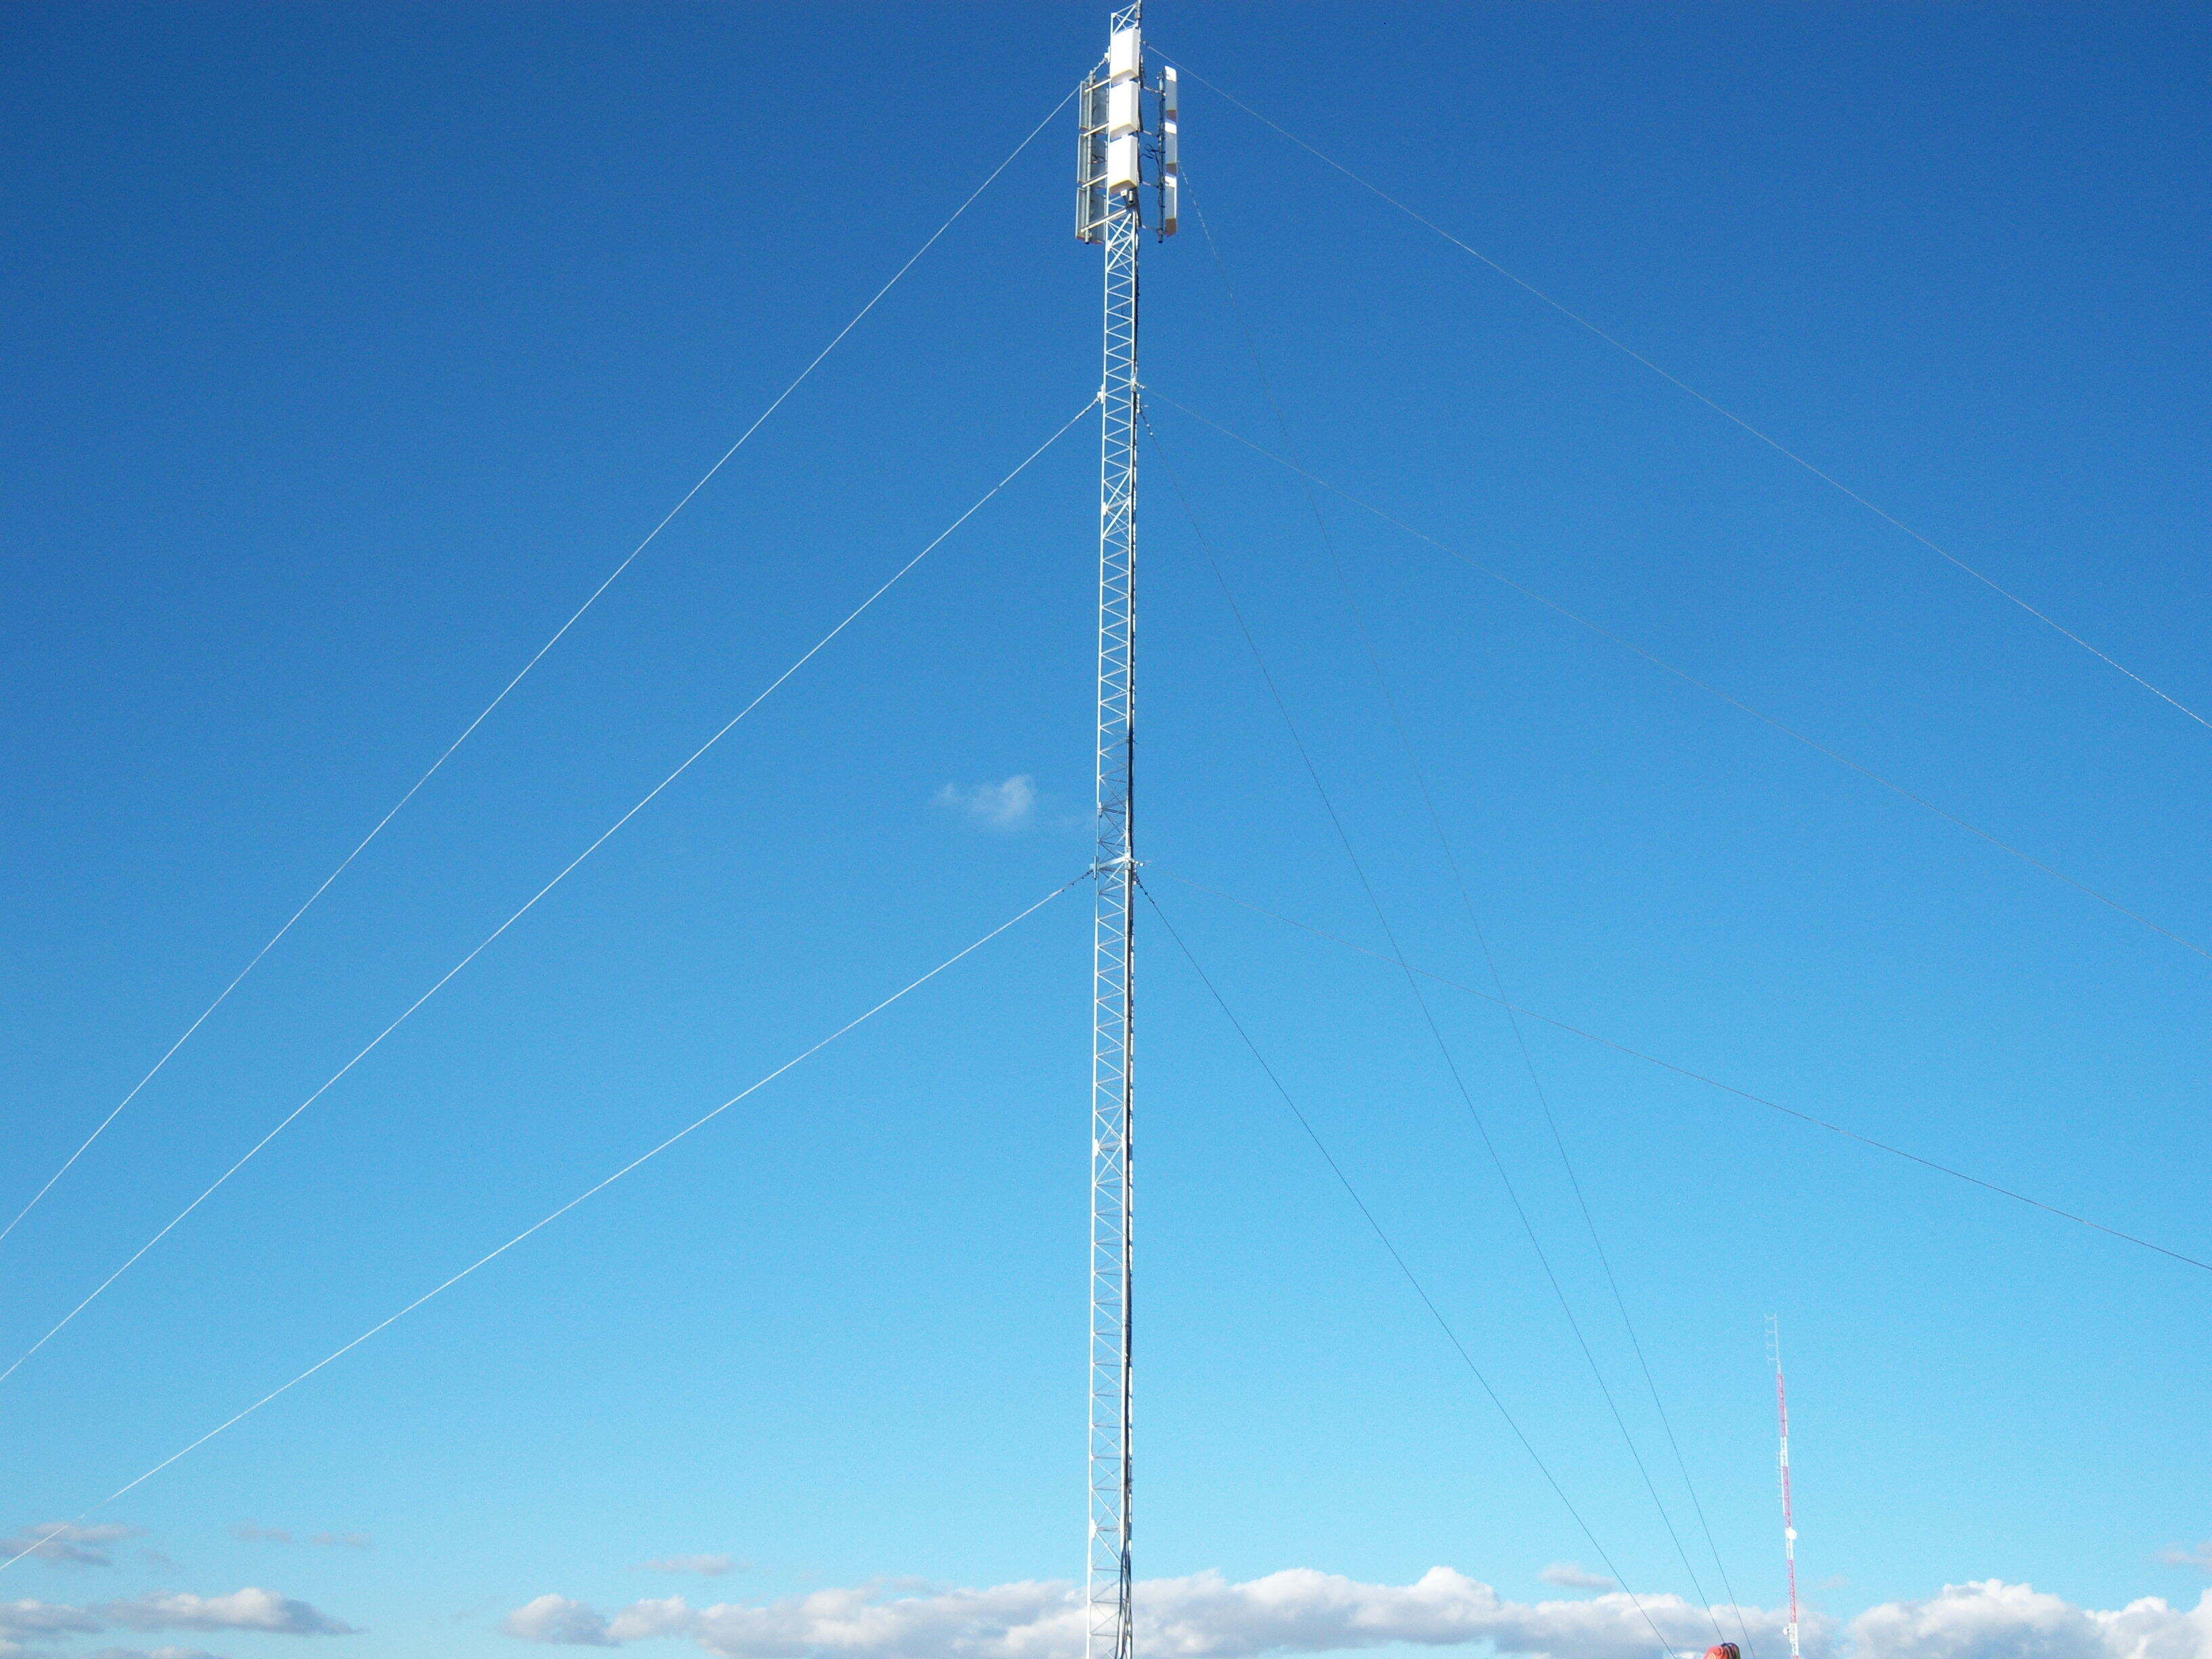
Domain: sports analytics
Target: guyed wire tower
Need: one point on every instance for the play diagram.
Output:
(1126, 157)
(1788, 1519)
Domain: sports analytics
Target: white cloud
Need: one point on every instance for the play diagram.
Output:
(65, 1542)
(556, 1618)
(1200, 1617)
(1573, 1574)
(2180, 1555)
(1996, 1620)
(248, 1532)
(1301, 1611)
(1008, 805)
(22, 1621)
(246, 1609)
(641, 1619)
(706, 1566)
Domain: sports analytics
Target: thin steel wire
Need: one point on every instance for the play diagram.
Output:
(1443, 1050)
(1411, 1278)
(484, 712)
(530, 903)
(1771, 442)
(1684, 675)
(1482, 939)
(1710, 1082)
(491, 1255)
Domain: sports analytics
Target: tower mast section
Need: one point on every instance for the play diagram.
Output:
(1788, 1519)
(1125, 153)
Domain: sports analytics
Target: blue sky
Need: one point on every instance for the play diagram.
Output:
(348, 350)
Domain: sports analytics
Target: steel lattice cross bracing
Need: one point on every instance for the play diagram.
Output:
(1113, 1006)
(1125, 148)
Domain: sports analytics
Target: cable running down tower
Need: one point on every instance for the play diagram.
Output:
(1125, 156)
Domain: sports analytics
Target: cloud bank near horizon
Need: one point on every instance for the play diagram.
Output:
(1205, 1616)
(27, 1626)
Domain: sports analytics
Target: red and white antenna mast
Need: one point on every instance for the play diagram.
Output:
(1789, 1519)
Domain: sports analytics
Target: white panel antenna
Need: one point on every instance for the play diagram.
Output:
(1125, 53)
(1128, 139)
(1125, 108)
(1124, 164)
(1170, 163)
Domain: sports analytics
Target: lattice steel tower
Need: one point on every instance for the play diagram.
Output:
(1126, 157)
(1789, 1512)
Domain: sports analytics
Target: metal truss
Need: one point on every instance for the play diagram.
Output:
(1108, 1624)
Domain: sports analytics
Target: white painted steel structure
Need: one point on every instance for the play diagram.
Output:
(1115, 144)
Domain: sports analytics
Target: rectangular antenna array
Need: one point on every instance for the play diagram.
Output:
(1127, 140)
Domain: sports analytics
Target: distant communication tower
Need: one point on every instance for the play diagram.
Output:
(1788, 1519)
(1125, 156)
